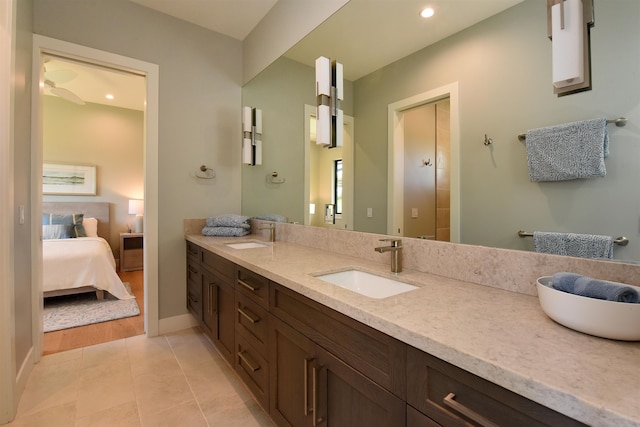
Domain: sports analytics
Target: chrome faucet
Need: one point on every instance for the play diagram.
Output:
(272, 233)
(396, 253)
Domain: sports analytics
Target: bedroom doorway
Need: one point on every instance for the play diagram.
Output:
(147, 278)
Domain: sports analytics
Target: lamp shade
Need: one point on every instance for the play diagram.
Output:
(136, 207)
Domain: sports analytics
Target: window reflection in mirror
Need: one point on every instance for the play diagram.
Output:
(337, 185)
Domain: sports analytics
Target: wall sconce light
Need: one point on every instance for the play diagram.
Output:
(136, 207)
(251, 136)
(568, 27)
(329, 96)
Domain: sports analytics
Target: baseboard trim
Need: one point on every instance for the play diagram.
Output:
(176, 323)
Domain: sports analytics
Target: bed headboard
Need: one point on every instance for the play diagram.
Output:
(98, 210)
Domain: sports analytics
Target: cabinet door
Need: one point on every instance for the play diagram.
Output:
(348, 398)
(209, 303)
(292, 362)
(218, 312)
(225, 339)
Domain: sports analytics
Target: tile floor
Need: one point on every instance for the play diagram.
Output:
(173, 380)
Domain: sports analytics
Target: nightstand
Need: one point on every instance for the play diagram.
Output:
(131, 251)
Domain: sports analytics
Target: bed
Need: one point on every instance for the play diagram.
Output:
(79, 264)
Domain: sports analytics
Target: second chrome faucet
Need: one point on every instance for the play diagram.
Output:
(396, 253)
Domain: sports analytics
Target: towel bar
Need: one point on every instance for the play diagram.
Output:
(622, 241)
(620, 122)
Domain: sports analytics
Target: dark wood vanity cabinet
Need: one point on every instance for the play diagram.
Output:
(309, 382)
(308, 365)
(211, 297)
(323, 364)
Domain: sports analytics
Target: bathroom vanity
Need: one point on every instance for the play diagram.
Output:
(447, 353)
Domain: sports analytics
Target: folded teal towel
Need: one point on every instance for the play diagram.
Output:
(230, 220)
(568, 151)
(594, 288)
(225, 231)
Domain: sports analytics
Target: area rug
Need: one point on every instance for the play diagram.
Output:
(71, 311)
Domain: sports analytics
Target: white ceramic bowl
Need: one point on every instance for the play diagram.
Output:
(606, 319)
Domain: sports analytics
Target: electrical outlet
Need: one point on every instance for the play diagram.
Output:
(369, 212)
(414, 212)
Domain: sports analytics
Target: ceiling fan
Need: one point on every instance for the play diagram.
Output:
(63, 93)
(61, 76)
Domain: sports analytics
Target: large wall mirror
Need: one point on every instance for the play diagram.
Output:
(500, 68)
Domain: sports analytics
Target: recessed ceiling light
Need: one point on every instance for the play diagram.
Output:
(427, 12)
(109, 96)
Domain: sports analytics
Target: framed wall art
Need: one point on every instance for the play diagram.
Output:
(76, 180)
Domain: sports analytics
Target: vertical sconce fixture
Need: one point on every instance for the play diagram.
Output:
(329, 96)
(568, 26)
(251, 136)
(136, 207)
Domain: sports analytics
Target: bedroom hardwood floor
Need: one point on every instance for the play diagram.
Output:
(83, 336)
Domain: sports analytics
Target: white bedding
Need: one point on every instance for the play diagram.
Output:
(78, 262)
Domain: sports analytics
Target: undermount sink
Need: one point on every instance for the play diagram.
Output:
(246, 245)
(367, 284)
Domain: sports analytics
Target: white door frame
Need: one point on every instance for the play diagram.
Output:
(8, 390)
(395, 178)
(43, 46)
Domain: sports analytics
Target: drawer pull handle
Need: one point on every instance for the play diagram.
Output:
(306, 386)
(254, 367)
(314, 397)
(248, 316)
(450, 402)
(192, 299)
(246, 285)
(212, 308)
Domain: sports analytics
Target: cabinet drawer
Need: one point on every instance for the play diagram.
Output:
(377, 355)
(193, 251)
(218, 264)
(194, 299)
(252, 322)
(133, 259)
(453, 397)
(254, 286)
(254, 371)
(193, 271)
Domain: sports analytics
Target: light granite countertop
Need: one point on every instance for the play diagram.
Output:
(501, 336)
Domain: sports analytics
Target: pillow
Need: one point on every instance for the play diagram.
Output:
(90, 226)
(56, 231)
(56, 226)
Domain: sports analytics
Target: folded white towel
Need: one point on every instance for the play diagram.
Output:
(568, 151)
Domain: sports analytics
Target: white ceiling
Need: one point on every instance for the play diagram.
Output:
(366, 35)
(234, 18)
(92, 83)
(363, 38)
